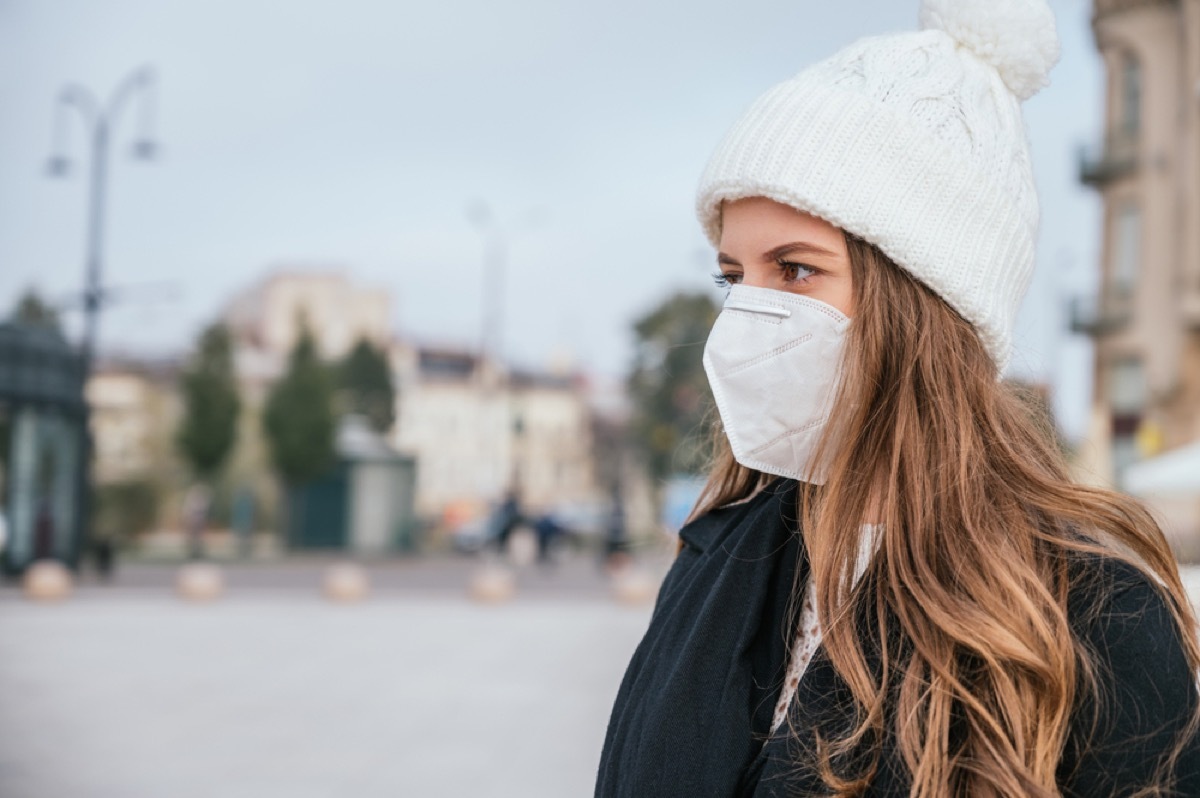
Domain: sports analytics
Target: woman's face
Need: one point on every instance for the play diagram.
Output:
(771, 245)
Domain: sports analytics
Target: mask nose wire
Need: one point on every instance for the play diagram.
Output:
(752, 307)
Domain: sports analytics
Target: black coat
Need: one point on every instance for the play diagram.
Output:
(693, 714)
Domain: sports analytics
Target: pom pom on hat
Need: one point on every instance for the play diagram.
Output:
(1017, 37)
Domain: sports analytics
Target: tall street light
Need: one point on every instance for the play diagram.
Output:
(99, 120)
(495, 251)
(495, 272)
(495, 267)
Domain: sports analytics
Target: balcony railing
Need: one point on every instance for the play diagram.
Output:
(1115, 158)
(1096, 316)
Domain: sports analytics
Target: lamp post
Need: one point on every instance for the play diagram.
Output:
(495, 268)
(99, 120)
(495, 272)
(495, 257)
(99, 123)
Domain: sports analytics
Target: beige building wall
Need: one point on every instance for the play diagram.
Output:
(338, 312)
(133, 417)
(552, 446)
(135, 413)
(1146, 320)
(459, 433)
(477, 432)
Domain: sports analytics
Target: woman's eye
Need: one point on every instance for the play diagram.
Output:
(795, 272)
(726, 279)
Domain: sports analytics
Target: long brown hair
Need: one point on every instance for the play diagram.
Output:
(977, 516)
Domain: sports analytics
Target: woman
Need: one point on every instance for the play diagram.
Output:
(890, 586)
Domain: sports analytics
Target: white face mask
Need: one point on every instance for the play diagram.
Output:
(773, 360)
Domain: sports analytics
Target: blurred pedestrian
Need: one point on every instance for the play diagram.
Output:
(616, 545)
(196, 504)
(890, 585)
(507, 518)
(547, 529)
(104, 555)
(43, 530)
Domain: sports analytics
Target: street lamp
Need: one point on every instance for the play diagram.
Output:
(495, 272)
(495, 266)
(495, 261)
(99, 121)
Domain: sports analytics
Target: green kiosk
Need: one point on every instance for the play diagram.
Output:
(43, 440)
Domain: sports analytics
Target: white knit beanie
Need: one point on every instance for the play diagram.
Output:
(914, 142)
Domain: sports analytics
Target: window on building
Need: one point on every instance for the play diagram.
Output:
(1127, 402)
(1127, 387)
(1131, 96)
(1124, 454)
(1127, 245)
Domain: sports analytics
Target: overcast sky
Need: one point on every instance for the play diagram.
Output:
(354, 135)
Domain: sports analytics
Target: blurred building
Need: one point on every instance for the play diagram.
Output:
(135, 408)
(478, 432)
(552, 457)
(1145, 318)
(265, 321)
(138, 476)
(267, 317)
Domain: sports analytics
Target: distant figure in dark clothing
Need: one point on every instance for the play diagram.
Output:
(616, 541)
(508, 517)
(103, 552)
(547, 529)
(43, 531)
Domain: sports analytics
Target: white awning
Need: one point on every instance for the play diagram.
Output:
(1175, 473)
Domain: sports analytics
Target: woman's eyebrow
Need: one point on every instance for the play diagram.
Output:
(796, 247)
(800, 247)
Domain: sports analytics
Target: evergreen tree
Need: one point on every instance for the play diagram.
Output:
(31, 309)
(211, 405)
(365, 380)
(299, 419)
(668, 386)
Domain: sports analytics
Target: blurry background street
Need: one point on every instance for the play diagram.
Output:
(275, 693)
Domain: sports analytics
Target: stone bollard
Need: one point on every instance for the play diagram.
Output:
(346, 583)
(200, 581)
(47, 580)
(634, 586)
(492, 584)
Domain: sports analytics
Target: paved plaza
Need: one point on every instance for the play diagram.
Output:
(125, 691)
(134, 694)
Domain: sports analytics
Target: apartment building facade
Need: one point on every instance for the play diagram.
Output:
(1145, 318)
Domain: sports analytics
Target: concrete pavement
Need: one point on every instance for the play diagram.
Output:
(126, 692)
(572, 576)
(259, 697)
